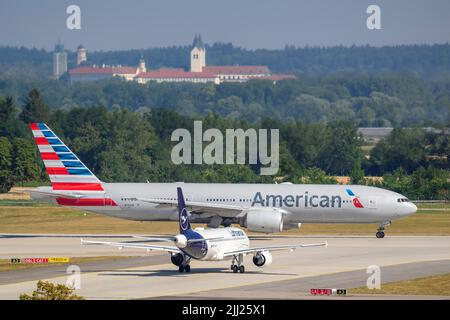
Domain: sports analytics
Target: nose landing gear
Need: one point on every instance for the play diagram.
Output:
(381, 228)
(380, 234)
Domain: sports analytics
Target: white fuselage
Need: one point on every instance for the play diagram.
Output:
(303, 203)
(222, 240)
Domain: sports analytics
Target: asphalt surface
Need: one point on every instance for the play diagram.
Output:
(300, 288)
(151, 275)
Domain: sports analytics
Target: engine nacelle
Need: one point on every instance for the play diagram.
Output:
(262, 259)
(180, 241)
(177, 259)
(265, 221)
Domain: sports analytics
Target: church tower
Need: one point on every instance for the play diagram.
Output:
(81, 54)
(59, 60)
(198, 55)
(141, 66)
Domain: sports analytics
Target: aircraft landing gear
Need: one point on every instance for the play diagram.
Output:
(381, 228)
(239, 267)
(380, 234)
(184, 266)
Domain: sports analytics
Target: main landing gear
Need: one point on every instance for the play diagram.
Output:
(381, 228)
(184, 266)
(239, 267)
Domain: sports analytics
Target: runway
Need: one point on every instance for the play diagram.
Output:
(342, 264)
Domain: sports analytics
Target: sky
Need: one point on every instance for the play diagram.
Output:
(251, 24)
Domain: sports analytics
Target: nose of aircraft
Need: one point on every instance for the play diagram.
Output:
(406, 209)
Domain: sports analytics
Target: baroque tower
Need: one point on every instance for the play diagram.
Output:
(198, 55)
(81, 55)
(141, 66)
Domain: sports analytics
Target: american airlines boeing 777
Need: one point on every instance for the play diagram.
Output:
(264, 208)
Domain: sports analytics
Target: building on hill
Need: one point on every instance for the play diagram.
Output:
(176, 75)
(59, 60)
(238, 73)
(199, 71)
(93, 73)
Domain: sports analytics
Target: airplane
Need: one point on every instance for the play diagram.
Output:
(266, 208)
(214, 244)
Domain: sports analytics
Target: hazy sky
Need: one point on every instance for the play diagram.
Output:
(115, 24)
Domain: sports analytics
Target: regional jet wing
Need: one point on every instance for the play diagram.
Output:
(171, 238)
(121, 245)
(274, 248)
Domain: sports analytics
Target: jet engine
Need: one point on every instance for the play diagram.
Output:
(177, 259)
(264, 221)
(180, 241)
(262, 259)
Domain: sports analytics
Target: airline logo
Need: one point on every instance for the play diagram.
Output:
(184, 222)
(355, 199)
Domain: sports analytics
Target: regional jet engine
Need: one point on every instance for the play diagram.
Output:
(177, 259)
(262, 259)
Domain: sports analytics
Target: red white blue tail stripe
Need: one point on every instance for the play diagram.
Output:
(66, 171)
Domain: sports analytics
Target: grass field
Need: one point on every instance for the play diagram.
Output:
(435, 220)
(434, 285)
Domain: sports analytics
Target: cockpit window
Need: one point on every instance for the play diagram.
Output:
(403, 200)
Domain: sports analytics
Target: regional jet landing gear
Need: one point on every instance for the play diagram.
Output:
(184, 266)
(239, 267)
(380, 231)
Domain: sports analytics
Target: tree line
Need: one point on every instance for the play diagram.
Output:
(122, 145)
(398, 100)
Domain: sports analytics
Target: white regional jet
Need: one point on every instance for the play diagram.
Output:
(207, 244)
(259, 207)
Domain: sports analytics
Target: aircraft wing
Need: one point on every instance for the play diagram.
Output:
(159, 238)
(121, 245)
(197, 207)
(274, 248)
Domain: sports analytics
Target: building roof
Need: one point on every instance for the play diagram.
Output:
(103, 70)
(198, 42)
(249, 70)
(165, 73)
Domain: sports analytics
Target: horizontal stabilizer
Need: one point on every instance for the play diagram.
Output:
(54, 194)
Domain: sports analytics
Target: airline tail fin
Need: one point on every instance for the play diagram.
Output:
(65, 169)
(183, 214)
